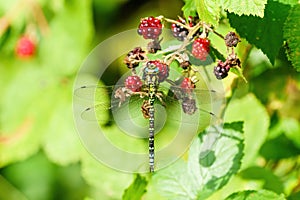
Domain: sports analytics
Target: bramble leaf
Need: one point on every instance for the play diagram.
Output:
(208, 11)
(205, 171)
(265, 33)
(291, 33)
(255, 195)
(244, 7)
(136, 190)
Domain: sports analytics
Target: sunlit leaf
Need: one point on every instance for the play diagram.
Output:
(244, 7)
(136, 190)
(208, 168)
(255, 195)
(256, 123)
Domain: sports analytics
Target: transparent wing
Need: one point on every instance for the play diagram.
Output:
(105, 103)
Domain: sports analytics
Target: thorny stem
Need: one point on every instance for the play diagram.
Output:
(177, 22)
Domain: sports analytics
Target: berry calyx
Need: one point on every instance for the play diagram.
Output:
(133, 83)
(150, 28)
(200, 48)
(221, 70)
(25, 47)
(162, 68)
(187, 85)
(134, 57)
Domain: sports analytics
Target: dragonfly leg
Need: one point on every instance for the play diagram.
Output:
(160, 96)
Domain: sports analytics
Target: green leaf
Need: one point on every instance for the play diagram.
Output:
(73, 40)
(208, 11)
(265, 33)
(25, 110)
(256, 122)
(284, 148)
(244, 7)
(61, 142)
(189, 8)
(210, 165)
(290, 2)
(270, 180)
(291, 33)
(255, 195)
(108, 182)
(136, 190)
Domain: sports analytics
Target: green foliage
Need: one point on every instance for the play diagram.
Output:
(265, 33)
(292, 35)
(207, 169)
(136, 190)
(244, 7)
(262, 139)
(256, 123)
(255, 195)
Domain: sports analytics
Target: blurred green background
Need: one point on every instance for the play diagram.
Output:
(41, 157)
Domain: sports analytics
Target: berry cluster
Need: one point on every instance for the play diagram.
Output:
(191, 31)
(201, 48)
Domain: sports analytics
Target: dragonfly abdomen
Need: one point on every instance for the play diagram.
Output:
(151, 126)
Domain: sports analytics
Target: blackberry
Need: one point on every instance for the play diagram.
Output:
(25, 47)
(150, 28)
(178, 31)
(200, 48)
(162, 68)
(189, 106)
(134, 57)
(187, 85)
(133, 83)
(231, 39)
(221, 70)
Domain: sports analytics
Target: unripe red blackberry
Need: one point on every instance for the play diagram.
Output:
(200, 48)
(221, 70)
(150, 28)
(25, 47)
(133, 83)
(187, 85)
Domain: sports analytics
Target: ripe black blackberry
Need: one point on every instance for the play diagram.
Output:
(221, 70)
(178, 31)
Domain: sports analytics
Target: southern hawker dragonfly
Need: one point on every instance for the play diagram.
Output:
(187, 105)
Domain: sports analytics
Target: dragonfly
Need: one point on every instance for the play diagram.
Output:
(151, 93)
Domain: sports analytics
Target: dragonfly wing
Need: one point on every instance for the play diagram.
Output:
(95, 92)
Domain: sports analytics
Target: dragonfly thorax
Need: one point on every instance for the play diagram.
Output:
(150, 74)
